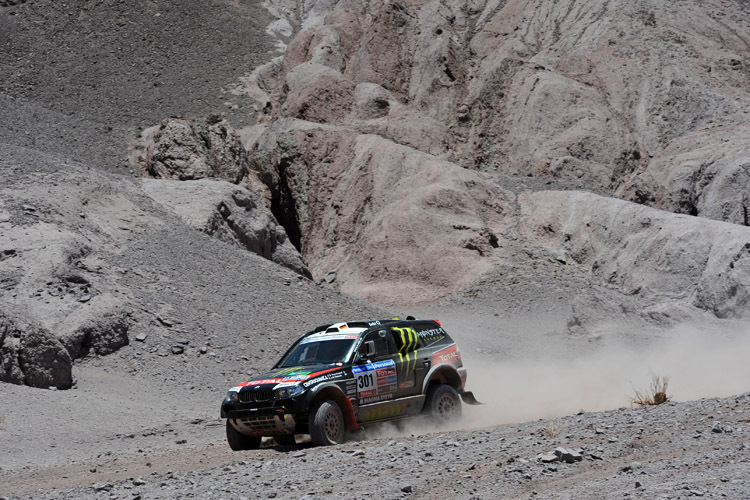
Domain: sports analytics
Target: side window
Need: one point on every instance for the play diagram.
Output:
(406, 339)
(382, 348)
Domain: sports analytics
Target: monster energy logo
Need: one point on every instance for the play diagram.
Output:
(407, 352)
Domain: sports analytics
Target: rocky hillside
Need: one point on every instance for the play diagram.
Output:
(394, 137)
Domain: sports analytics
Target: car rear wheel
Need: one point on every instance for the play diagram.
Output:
(326, 424)
(443, 404)
(238, 441)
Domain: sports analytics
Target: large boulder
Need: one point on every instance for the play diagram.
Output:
(32, 356)
(188, 149)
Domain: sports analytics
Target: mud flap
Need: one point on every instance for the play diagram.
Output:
(350, 423)
(469, 398)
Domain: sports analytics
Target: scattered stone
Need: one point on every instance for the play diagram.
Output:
(567, 455)
(552, 468)
(85, 298)
(164, 321)
(177, 349)
(407, 489)
(638, 484)
(697, 493)
(358, 453)
(330, 277)
(181, 441)
(141, 337)
(183, 341)
(298, 454)
(599, 430)
(561, 258)
(138, 481)
(613, 439)
(717, 428)
(204, 350)
(547, 458)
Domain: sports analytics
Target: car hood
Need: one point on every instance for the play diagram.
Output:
(291, 376)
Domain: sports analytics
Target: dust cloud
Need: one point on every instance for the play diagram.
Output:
(699, 363)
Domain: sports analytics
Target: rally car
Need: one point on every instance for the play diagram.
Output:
(341, 376)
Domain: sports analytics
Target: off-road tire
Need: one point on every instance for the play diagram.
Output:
(326, 424)
(238, 441)
(443, 404)
(285, 440)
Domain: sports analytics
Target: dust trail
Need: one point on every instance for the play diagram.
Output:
(700, 362)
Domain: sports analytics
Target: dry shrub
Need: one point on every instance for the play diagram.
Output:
(551, 430)
(656, 395)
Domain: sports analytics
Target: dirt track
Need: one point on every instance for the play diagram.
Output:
(669, 450)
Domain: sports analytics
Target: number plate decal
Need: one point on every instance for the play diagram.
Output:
(375, 379)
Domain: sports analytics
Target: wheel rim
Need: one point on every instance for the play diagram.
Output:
(446, 407)
(332, 425)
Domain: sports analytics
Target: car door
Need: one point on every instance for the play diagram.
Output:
(376, 375)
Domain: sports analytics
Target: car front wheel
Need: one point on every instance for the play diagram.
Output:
(238, 441)
(443, 404)
(326, 424)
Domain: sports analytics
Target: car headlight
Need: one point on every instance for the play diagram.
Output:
(233, 395)
(289, 392)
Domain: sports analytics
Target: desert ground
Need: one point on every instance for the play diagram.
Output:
(186, 187)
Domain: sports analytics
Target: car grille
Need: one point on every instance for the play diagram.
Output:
(253, 395)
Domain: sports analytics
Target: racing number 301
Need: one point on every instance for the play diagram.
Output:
(365, 380)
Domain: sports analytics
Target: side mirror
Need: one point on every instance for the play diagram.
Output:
(366, 351)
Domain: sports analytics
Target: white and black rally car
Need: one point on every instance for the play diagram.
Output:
(340, 376)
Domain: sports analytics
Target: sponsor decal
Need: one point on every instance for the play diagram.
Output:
(432, 335)
(351, 388)
(447, 354)
(407, 384)
(406, 339)
(375, 378)
(329, 336)
(266, 381)
(290, 372)
(374, 323)
(381, 413)
(376, 399)
(324, 378)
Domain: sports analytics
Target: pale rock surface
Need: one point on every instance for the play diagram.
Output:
(230, 214)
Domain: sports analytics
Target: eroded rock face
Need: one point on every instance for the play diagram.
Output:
(32, 356)
(586, 93)
(231, 214)
(644, 263)
(704, 174)
(398, 226)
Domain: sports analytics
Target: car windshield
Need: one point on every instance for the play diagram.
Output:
(319, 352)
